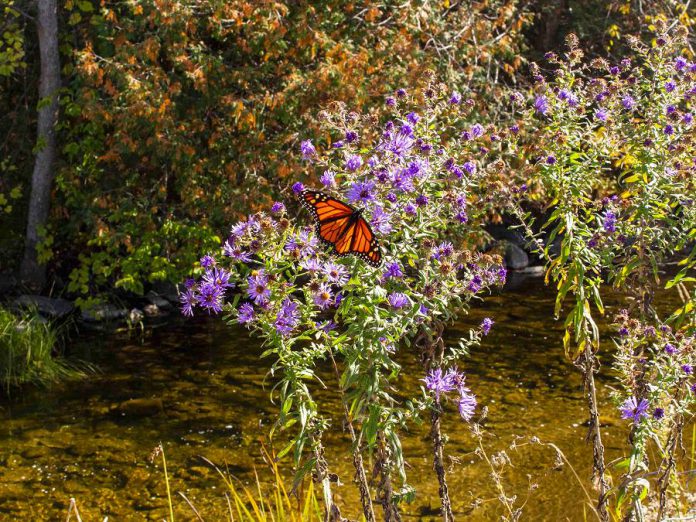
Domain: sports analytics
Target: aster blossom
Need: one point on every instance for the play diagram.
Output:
(634, 409)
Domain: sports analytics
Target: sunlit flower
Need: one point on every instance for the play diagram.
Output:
(438, 383)
(322, 298)
(361, 191)
(258, 287)
(308, 150)
(398, 300)
(245, 314)
(335, 273)
(634, 409)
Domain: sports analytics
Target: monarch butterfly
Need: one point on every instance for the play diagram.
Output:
(342, 227)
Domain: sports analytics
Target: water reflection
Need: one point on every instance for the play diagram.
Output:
(201, 389)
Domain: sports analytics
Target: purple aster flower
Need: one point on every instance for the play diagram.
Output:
(235, 252)
(422, 200)
(188, 301)
(668, 130)
(623, 331)
(398, 300)
(393, 271)
(614, 70)
(210, 297)
(467, 403)
(438, 383)
(297, 187)
(311, 264)
(502, 275)
(401, 92)
(687, 119)
(609, 222)
(218, 277)
(470, 167)
(670, 349)
(245, 314)
(258, 287)
(380, 220)
(406, 129)
(207, 261)
(444, 249)
(398, 144)
(390, 101)
(671, 109)
(354, 162)
(287, 318)
(550, 159)
(601, 114)
(410, 209)
(486, 325)
(693, 388)
(461, 216)
(455, 98)
(670, 86)
(628, 102)
(658, 413)
(361, 191)
(328, 179)
(189, 283)
(476, 130)
(634, 410)
(278, 207)
(351, 136)
(475, 284)
(687, 369)
(338, 144)
(326, 326)
(335, 273)
(391, 197)
(308, 150)
(322, 298)
(413, 117)
(423, 310)
(541, 104)
(680, 63)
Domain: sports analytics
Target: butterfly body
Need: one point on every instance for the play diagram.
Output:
(342, 227)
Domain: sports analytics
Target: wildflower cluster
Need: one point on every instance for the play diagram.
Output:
(419, 180)
(615, 149)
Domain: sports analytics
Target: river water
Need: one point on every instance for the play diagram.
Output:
(200, 388)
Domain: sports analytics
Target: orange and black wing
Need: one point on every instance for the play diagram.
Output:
(364, 243)
(339, 226)
(324, 208)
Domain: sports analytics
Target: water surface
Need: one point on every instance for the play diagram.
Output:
(200, 388)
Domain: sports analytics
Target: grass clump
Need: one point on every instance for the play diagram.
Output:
(28, 348)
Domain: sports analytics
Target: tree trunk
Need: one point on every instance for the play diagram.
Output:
(33, 273)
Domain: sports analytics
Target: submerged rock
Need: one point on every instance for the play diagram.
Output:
(103, 312)
(515, 257)
(50, 307)
(159, 301)
(139, 407)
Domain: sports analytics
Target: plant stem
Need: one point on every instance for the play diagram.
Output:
(391, 513)
(321, 469)
(588, 366)
(358, 464)
(166, 481)
(439, 467)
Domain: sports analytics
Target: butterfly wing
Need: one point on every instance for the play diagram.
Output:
(364, 243)
(341, 227)
(324, 208)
